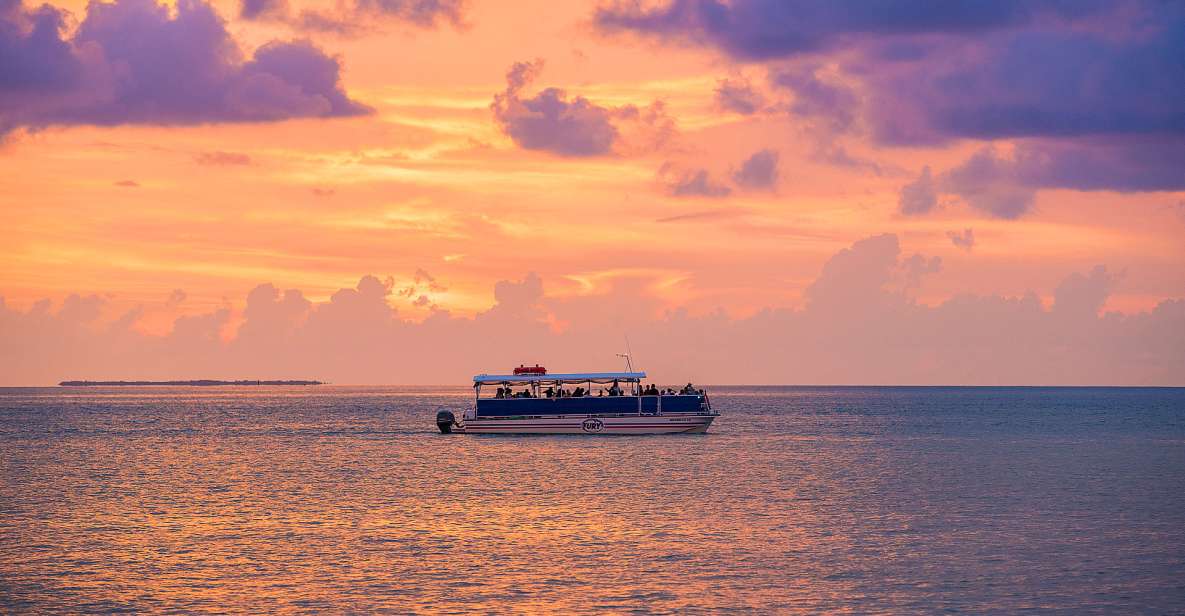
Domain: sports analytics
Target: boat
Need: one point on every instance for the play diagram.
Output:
(531, 401)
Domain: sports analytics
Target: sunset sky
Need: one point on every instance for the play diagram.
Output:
(755, 191)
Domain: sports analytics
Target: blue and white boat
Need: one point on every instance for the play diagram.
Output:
(530, 401)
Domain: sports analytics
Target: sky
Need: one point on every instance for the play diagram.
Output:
(754, 191)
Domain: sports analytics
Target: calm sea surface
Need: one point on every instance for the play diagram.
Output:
(799, 499)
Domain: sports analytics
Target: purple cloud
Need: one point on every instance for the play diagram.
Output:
(263, 9)
(916, 267)
(964, 240)
(131, 62)
(759, 171)
(690, 183)
(1005, 187)
(834, 107)
(918, 196)
(357, 16)
(739, 96)
(549, 121)
(1095, 87)
(1042, 83)
(420, 12)
(959, 69)
(1127, 164)
(220, 158)
(765, 29)
(990, 184)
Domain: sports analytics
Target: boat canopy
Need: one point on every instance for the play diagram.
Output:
(577, 377)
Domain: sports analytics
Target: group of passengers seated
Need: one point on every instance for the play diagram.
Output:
(506, 392)
(688, 390)
(579, 392)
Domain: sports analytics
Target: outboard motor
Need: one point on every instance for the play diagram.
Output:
(445, 420)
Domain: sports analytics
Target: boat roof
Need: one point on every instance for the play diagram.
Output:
(571, 376)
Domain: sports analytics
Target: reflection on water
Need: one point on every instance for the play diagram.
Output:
(807, 499)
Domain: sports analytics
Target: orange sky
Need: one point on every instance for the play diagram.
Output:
(431, 184)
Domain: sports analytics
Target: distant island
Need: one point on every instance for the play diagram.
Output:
(197, 383)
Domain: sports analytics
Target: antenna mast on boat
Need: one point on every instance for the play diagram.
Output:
(628, 353)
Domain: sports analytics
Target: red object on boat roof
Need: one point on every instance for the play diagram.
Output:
(536, 369)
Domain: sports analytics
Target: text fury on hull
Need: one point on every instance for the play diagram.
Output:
(531, 401)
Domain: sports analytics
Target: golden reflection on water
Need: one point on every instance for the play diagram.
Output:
(253, 502)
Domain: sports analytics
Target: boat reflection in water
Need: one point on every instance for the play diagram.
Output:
(530, 401)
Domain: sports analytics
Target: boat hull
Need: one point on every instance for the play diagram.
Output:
(620, 424)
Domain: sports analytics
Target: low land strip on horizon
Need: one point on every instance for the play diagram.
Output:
(199, 382)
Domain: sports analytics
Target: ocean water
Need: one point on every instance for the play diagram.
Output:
(867, 500)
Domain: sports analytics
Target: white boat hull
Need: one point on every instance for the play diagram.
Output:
(584, 424)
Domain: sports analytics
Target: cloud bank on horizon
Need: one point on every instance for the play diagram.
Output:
(859, 325)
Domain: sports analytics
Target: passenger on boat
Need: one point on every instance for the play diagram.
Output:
(688, 390)
(549, 392)
(579, 393)
(615, 390)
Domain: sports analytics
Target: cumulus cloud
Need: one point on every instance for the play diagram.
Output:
(420, 289)
(271, 317)
(1083, 295)
(918, 196)
(260, 9)
(739, 96)
(856, 276)
(1005, 186)
(759, 171)
(829, 152)
(990, 184)
(964, 240)
(551, 122)
(859, 325)
(135, 62)
(690, 182)
(832, 106)
(916, 267)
